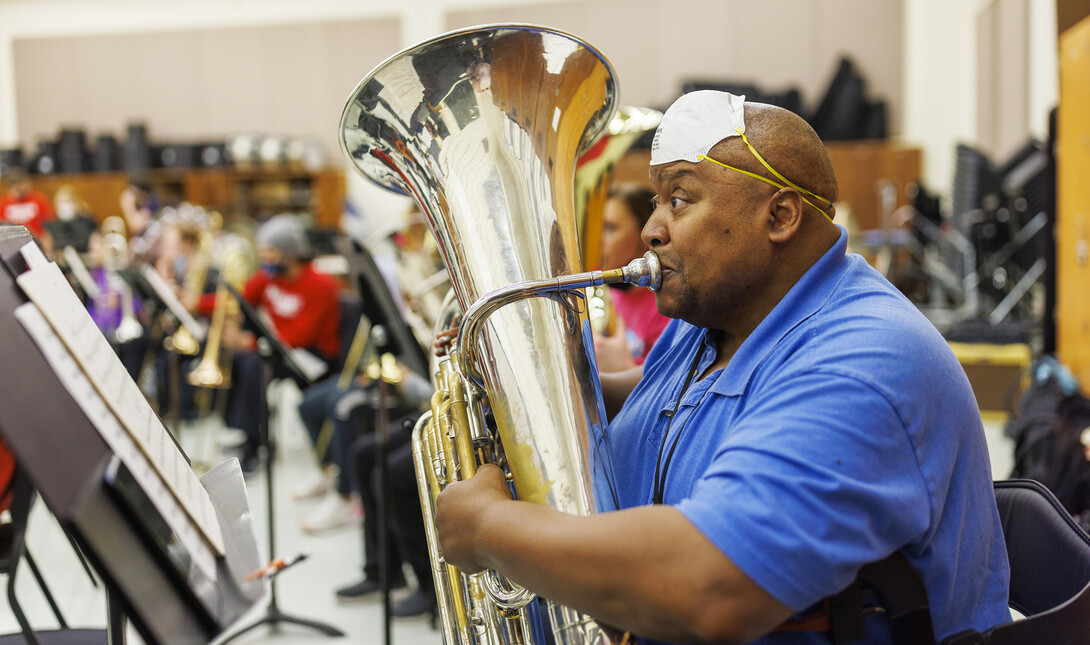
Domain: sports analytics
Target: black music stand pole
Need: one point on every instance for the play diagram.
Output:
(382, 520)
(115, 620)
(276, 356)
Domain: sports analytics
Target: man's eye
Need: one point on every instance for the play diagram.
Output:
(676, 203)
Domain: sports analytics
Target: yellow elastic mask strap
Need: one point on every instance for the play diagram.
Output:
(786, 182)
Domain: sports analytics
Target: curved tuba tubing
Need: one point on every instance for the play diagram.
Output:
(483, 127)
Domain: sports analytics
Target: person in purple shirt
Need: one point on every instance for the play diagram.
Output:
(799, 420)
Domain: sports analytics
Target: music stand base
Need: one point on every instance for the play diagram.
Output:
(273, 616)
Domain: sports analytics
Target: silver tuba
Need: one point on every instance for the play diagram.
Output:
(483, 127)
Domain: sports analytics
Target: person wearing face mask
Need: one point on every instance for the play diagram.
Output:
(23, 205)
(637, 322)
(304, 308)
(74, 225)
(799, 420)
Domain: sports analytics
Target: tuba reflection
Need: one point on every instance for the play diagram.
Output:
(483, 127)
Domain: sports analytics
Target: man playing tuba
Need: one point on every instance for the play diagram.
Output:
(799, 420)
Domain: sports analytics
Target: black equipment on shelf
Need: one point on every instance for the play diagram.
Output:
(137, 155)
(45, 161)
(107, 155)
(11, 158)
(72, 155)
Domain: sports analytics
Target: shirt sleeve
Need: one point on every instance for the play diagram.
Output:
(812, 482)
(255, 287)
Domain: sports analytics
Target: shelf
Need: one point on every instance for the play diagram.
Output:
(229, 190)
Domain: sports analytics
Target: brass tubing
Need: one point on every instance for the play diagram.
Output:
(448, 579)
(459, 410)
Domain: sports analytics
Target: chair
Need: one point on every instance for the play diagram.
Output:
(13, 548)
(1050, 570)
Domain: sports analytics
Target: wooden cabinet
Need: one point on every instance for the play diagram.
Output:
(1073, 202)
(252, 192)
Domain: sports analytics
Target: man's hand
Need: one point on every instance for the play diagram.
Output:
(443, 340)
(461, 516)
(612, 352)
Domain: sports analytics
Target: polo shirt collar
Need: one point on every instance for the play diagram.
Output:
(808, 295)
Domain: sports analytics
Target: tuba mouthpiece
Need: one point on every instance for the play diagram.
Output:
(644, 272)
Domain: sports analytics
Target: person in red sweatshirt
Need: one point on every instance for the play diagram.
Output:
(22, 205)
(304, 306)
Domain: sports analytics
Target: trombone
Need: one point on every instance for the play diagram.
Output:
(213, 370)
(182, 341)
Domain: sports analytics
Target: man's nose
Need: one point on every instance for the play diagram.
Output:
(654, 233)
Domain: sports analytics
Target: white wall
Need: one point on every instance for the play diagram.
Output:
(940, 77)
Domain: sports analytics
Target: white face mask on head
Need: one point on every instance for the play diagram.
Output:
(66, 211)
(695, 123)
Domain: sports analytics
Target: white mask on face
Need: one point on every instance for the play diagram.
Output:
(694, 124)
(66, 211)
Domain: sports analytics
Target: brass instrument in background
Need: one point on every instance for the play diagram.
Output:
(594, 177)
(482, 127)
(115, 259)
(182, 340)
(214, 369)
(593, 181)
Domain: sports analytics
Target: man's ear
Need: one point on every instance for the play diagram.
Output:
(785, 215)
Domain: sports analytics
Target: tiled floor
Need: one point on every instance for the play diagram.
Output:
(305, 590)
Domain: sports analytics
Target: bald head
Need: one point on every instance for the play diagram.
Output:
(787, 143)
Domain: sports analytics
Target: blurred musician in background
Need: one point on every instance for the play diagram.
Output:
(344, 405)
(637, 323)
(405, 533)
(304, 308)
(185, 264)
(74, 224)
(138, 207)
(23, 205)
(117, 311)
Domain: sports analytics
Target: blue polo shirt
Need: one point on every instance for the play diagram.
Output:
(842, 430)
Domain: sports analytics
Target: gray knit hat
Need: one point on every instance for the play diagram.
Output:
(286, 234)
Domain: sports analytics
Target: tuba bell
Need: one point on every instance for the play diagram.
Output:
(482, 128)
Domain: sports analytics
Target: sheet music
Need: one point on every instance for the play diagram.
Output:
(312, 366)
(83, 276)
(120, 442)
(47, 289)
(166, 294)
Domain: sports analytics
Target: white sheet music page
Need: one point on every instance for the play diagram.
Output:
(47, 288)
(120, 442)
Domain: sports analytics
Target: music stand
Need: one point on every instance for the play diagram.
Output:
(82, 432)
(389, 333)
(380, 308)
(277, 355)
